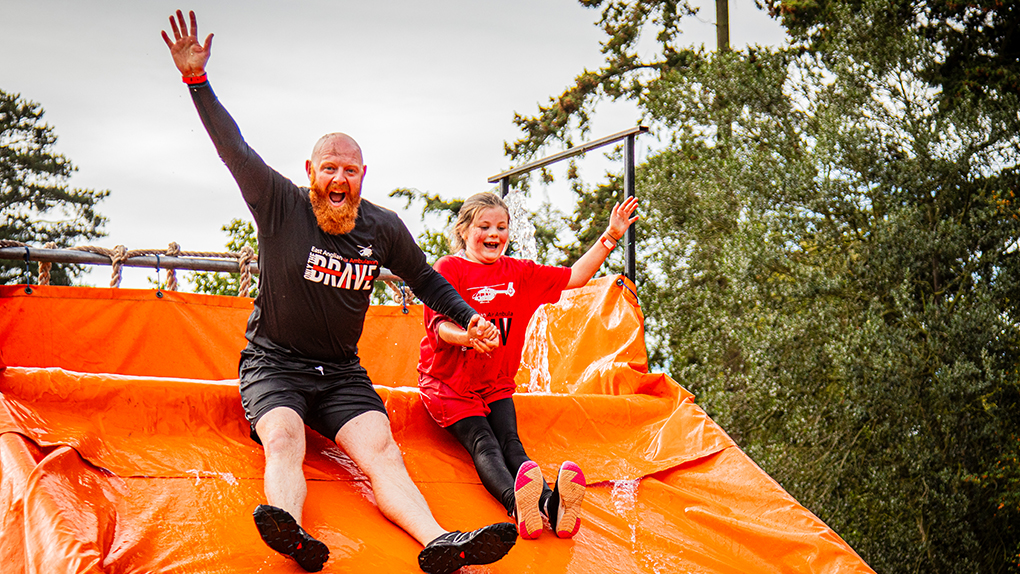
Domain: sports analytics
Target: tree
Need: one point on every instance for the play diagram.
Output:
(979, 41)
(835, 272)
(241, 234)
(36, 205)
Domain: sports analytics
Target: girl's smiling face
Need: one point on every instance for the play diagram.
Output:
(486, 238)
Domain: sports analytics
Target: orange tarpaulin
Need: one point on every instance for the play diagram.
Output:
(124, 448)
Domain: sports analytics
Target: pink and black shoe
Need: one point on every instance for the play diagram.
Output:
(527, 493)
(567, 497)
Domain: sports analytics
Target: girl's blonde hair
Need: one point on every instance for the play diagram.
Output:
(472, 205)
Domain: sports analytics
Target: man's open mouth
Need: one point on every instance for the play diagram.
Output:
(337, 197)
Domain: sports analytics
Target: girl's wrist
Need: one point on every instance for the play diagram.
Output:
(608, 241)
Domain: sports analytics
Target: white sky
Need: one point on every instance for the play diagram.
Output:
(427, 87)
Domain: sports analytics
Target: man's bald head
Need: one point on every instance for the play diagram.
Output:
(340, 143)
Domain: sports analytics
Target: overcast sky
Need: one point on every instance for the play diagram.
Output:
(427, 87)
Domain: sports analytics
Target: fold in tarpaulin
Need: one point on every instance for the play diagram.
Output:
(124, 448)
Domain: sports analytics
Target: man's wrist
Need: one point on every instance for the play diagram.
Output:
(196, 79)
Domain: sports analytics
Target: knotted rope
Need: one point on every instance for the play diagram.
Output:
(173, 250)
(246, 256)
(120, 254)
(45, 266)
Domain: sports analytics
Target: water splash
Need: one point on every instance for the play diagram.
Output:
(541, 379)
(624, 497)
(522, 231)
(224, 476)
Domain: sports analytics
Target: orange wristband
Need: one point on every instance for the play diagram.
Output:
(607, 241)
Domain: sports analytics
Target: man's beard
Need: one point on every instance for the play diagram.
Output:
(334, 220)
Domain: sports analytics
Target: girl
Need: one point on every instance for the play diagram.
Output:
(469, 391)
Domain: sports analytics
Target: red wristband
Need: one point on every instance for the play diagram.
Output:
(192, 80)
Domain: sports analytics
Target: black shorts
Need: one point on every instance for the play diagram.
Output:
(325, 395)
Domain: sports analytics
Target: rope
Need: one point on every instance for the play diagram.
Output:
(401, 294)
(44, 267)
(117, 258)
(119, 254)
(173, 250)
(246, 256)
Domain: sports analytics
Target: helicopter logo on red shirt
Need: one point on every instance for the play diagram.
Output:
(487, 293)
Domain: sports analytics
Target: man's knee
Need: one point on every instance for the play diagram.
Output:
(369, 442)
(389, 453)
(282, 432)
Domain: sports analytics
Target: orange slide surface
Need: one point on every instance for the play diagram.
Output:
(124, 448)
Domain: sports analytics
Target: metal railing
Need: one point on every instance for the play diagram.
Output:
(151, 261)
(630, 265)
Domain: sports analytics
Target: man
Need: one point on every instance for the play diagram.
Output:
(320, 252)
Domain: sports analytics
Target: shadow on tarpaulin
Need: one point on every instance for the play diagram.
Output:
(124, 448)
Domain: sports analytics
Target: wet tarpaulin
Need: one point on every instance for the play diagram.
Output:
(124, 448)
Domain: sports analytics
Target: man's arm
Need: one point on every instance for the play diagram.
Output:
(252, 174)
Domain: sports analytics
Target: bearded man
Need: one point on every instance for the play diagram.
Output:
(320, 250)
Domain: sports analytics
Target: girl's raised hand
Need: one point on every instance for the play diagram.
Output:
(621, 219)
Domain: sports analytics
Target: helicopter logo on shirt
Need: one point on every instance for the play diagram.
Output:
(365, 251)
(487, 294)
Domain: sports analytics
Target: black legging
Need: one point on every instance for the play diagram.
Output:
(497, 451)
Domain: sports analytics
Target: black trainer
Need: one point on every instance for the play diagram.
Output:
(455, 549)
(282, 533)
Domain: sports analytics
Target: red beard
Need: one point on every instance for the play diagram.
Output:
(334, 220)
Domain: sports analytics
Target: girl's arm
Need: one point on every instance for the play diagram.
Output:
(476, 336)
(584, 268)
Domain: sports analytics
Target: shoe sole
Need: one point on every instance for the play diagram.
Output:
(527, 493)
(282, 533)
(484, 546)
(571, 485)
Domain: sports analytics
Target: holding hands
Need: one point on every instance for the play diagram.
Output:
(189, 56)
(482, 335)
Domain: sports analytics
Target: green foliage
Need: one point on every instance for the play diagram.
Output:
(240, 233)
(435, 244)
(979, 50)
(36, 205)
(833, 269)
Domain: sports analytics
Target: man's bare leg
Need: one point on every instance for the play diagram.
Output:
(367, 439)
(282, 433)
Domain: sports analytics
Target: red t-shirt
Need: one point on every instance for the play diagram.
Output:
(507, 293)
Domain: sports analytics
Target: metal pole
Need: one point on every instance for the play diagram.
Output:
(164, 261)
(628, 179)
(630, 257)
(576, 150)
(722, 25)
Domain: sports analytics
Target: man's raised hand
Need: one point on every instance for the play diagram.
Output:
(189, 56)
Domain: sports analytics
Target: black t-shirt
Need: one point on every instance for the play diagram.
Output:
(315, 287)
